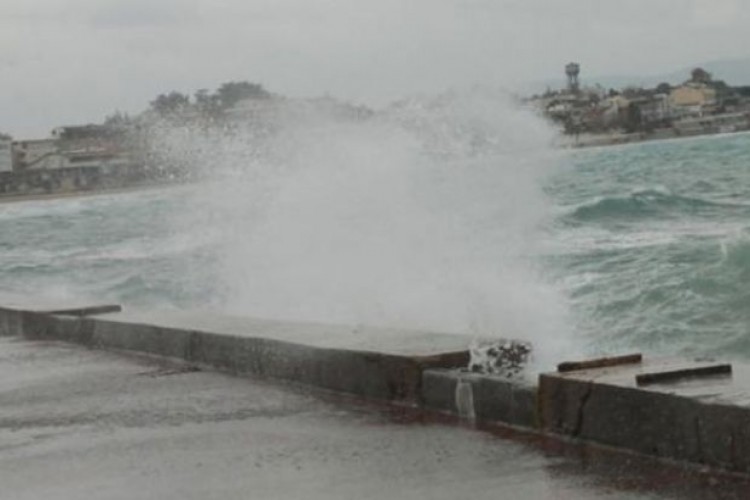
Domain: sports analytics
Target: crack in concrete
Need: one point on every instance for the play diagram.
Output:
(581, 410)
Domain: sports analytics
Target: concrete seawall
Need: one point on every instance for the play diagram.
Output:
(370, 363)
(693, 411)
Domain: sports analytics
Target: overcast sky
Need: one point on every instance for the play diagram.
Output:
(75, 61)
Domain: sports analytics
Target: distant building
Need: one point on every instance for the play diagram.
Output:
(37, 154)
(562, 105)
(691, 99)
(655, 109)
(92, 145)
(89, 137)
(614, 110)
(700, 105)
(6, 154)
(76, 146)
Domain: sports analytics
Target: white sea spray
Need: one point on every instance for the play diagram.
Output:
(426, 215)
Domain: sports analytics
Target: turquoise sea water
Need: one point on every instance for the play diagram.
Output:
(650, 243)
(654, 245)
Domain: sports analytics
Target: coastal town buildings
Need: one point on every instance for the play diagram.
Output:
(73, 146)
(692, 99)
(700, 105)
(37, 154)
(92, 145)
(72, 159)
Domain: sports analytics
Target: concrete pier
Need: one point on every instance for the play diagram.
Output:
(493, 398)
(367, 362)
(79, 423)
(697, 412)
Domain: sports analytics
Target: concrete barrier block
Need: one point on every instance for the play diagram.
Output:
(605, 414)
(494, 398)
(705, 421)
(140, 338)
(68, 329)
(724, 436)
(559, 402)
(655, 424)
(439, 390)
(38, 326)
(226, 352)
(372, 363)
(371, 375)
(11, 322)
(524, 405)
(39, 322)
(75, 329)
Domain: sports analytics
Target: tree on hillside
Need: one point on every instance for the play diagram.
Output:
(170, 104)
(231, 93)
(725, 95)
(207, 104)
(700, 75)
(118, 119)
(5, 137)
(206, 107)
(663, 88)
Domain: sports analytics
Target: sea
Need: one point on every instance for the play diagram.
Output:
(641, 247)
(654, 245)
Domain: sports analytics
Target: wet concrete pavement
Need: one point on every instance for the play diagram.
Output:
(78, 423)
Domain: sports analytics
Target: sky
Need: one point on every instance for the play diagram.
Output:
(66, 62)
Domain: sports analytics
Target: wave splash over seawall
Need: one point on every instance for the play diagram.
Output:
(426, 215)
(429, 214)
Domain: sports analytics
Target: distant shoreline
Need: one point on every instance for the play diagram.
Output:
(13, 198)
(606, 140)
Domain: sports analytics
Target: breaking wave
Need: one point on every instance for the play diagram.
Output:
(651, 203)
